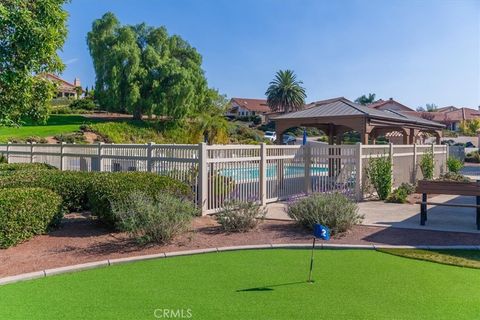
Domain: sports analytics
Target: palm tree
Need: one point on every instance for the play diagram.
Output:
(285, 92)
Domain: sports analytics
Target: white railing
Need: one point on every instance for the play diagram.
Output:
(219, 173)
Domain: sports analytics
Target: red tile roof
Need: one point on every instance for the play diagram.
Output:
(257, 105)
(448, 116)
(58, 79)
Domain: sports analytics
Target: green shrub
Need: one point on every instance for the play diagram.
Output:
(427, 165)
(72, 186)
(106, 188)
(409, 188)
(379, 173)
(257, 120)
(454, 165)
(454, 177)
(240, 216)
(61, 110)
(74, 137)
(25, 166)
(30, 139)
(127, 132)
(82, 104)
(25, 212)
(334, 210)
(3, 159)
(399, 195)
(153, 218)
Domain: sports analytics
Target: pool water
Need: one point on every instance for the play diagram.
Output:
(254, 172)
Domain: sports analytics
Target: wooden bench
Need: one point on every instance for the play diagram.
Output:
(447, 187)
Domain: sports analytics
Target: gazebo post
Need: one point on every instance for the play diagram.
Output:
(438, 136)
(331, 129)
(364, 137)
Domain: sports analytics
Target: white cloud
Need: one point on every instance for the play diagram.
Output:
(71, 61)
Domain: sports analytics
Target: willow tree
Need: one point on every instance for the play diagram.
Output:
(31, 33)
(285, 93)
(143, 70)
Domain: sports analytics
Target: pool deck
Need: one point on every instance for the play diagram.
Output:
(407, 216)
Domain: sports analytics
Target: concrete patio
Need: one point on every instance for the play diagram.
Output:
(381, 214)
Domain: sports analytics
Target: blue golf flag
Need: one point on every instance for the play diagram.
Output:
(304, 136)
(321, 232)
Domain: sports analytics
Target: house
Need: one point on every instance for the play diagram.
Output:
(65, 89)
(450, 116)
(390, 105)
(243, 107)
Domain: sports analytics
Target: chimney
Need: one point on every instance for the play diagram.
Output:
(391, 99)
(76, 82)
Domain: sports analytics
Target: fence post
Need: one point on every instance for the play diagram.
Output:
(32, 150)
(62, 145)
(202, 178)
(263, 174)
(8, 151)
(359, 175)
(391, 155)
(100, 156)
(307, 159)
(149, 156)
(447, 155)
(414, 169)
(433, 155)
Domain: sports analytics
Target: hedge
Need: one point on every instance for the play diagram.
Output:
(25, 166)
(72, 186)
(26, 212)
(94, 190)
(106, 188)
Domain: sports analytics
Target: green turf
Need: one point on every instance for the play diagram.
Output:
(464, 258)
(56, 124)
(260, 284)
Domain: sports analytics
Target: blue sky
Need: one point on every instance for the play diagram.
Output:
(416, 51)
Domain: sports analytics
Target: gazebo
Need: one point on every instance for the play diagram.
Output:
(337, 116)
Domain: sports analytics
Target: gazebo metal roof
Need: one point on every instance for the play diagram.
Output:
(340, 115)
(344, 107)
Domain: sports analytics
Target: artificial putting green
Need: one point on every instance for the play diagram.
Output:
(254, 284)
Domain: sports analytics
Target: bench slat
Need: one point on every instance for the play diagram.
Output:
(449, 204)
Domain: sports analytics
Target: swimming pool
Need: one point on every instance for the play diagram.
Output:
(289, 171)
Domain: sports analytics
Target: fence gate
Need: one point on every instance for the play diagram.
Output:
(268, 173)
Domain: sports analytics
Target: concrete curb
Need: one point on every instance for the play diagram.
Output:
(110, 262)
(246, 247)
(76, 267)
(136, 258)
(190, 252)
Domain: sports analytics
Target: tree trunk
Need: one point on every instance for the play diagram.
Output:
(137, 113)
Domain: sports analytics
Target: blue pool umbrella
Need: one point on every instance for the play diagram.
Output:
(304, 136)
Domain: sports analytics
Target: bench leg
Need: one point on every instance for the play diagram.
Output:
(478, 213)
(423, 210)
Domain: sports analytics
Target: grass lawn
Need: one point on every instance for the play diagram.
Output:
(257, 284)
(56, 124)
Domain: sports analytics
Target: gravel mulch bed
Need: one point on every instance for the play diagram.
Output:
(82, 239)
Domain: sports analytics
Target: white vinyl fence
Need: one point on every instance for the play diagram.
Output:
(219, 173)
